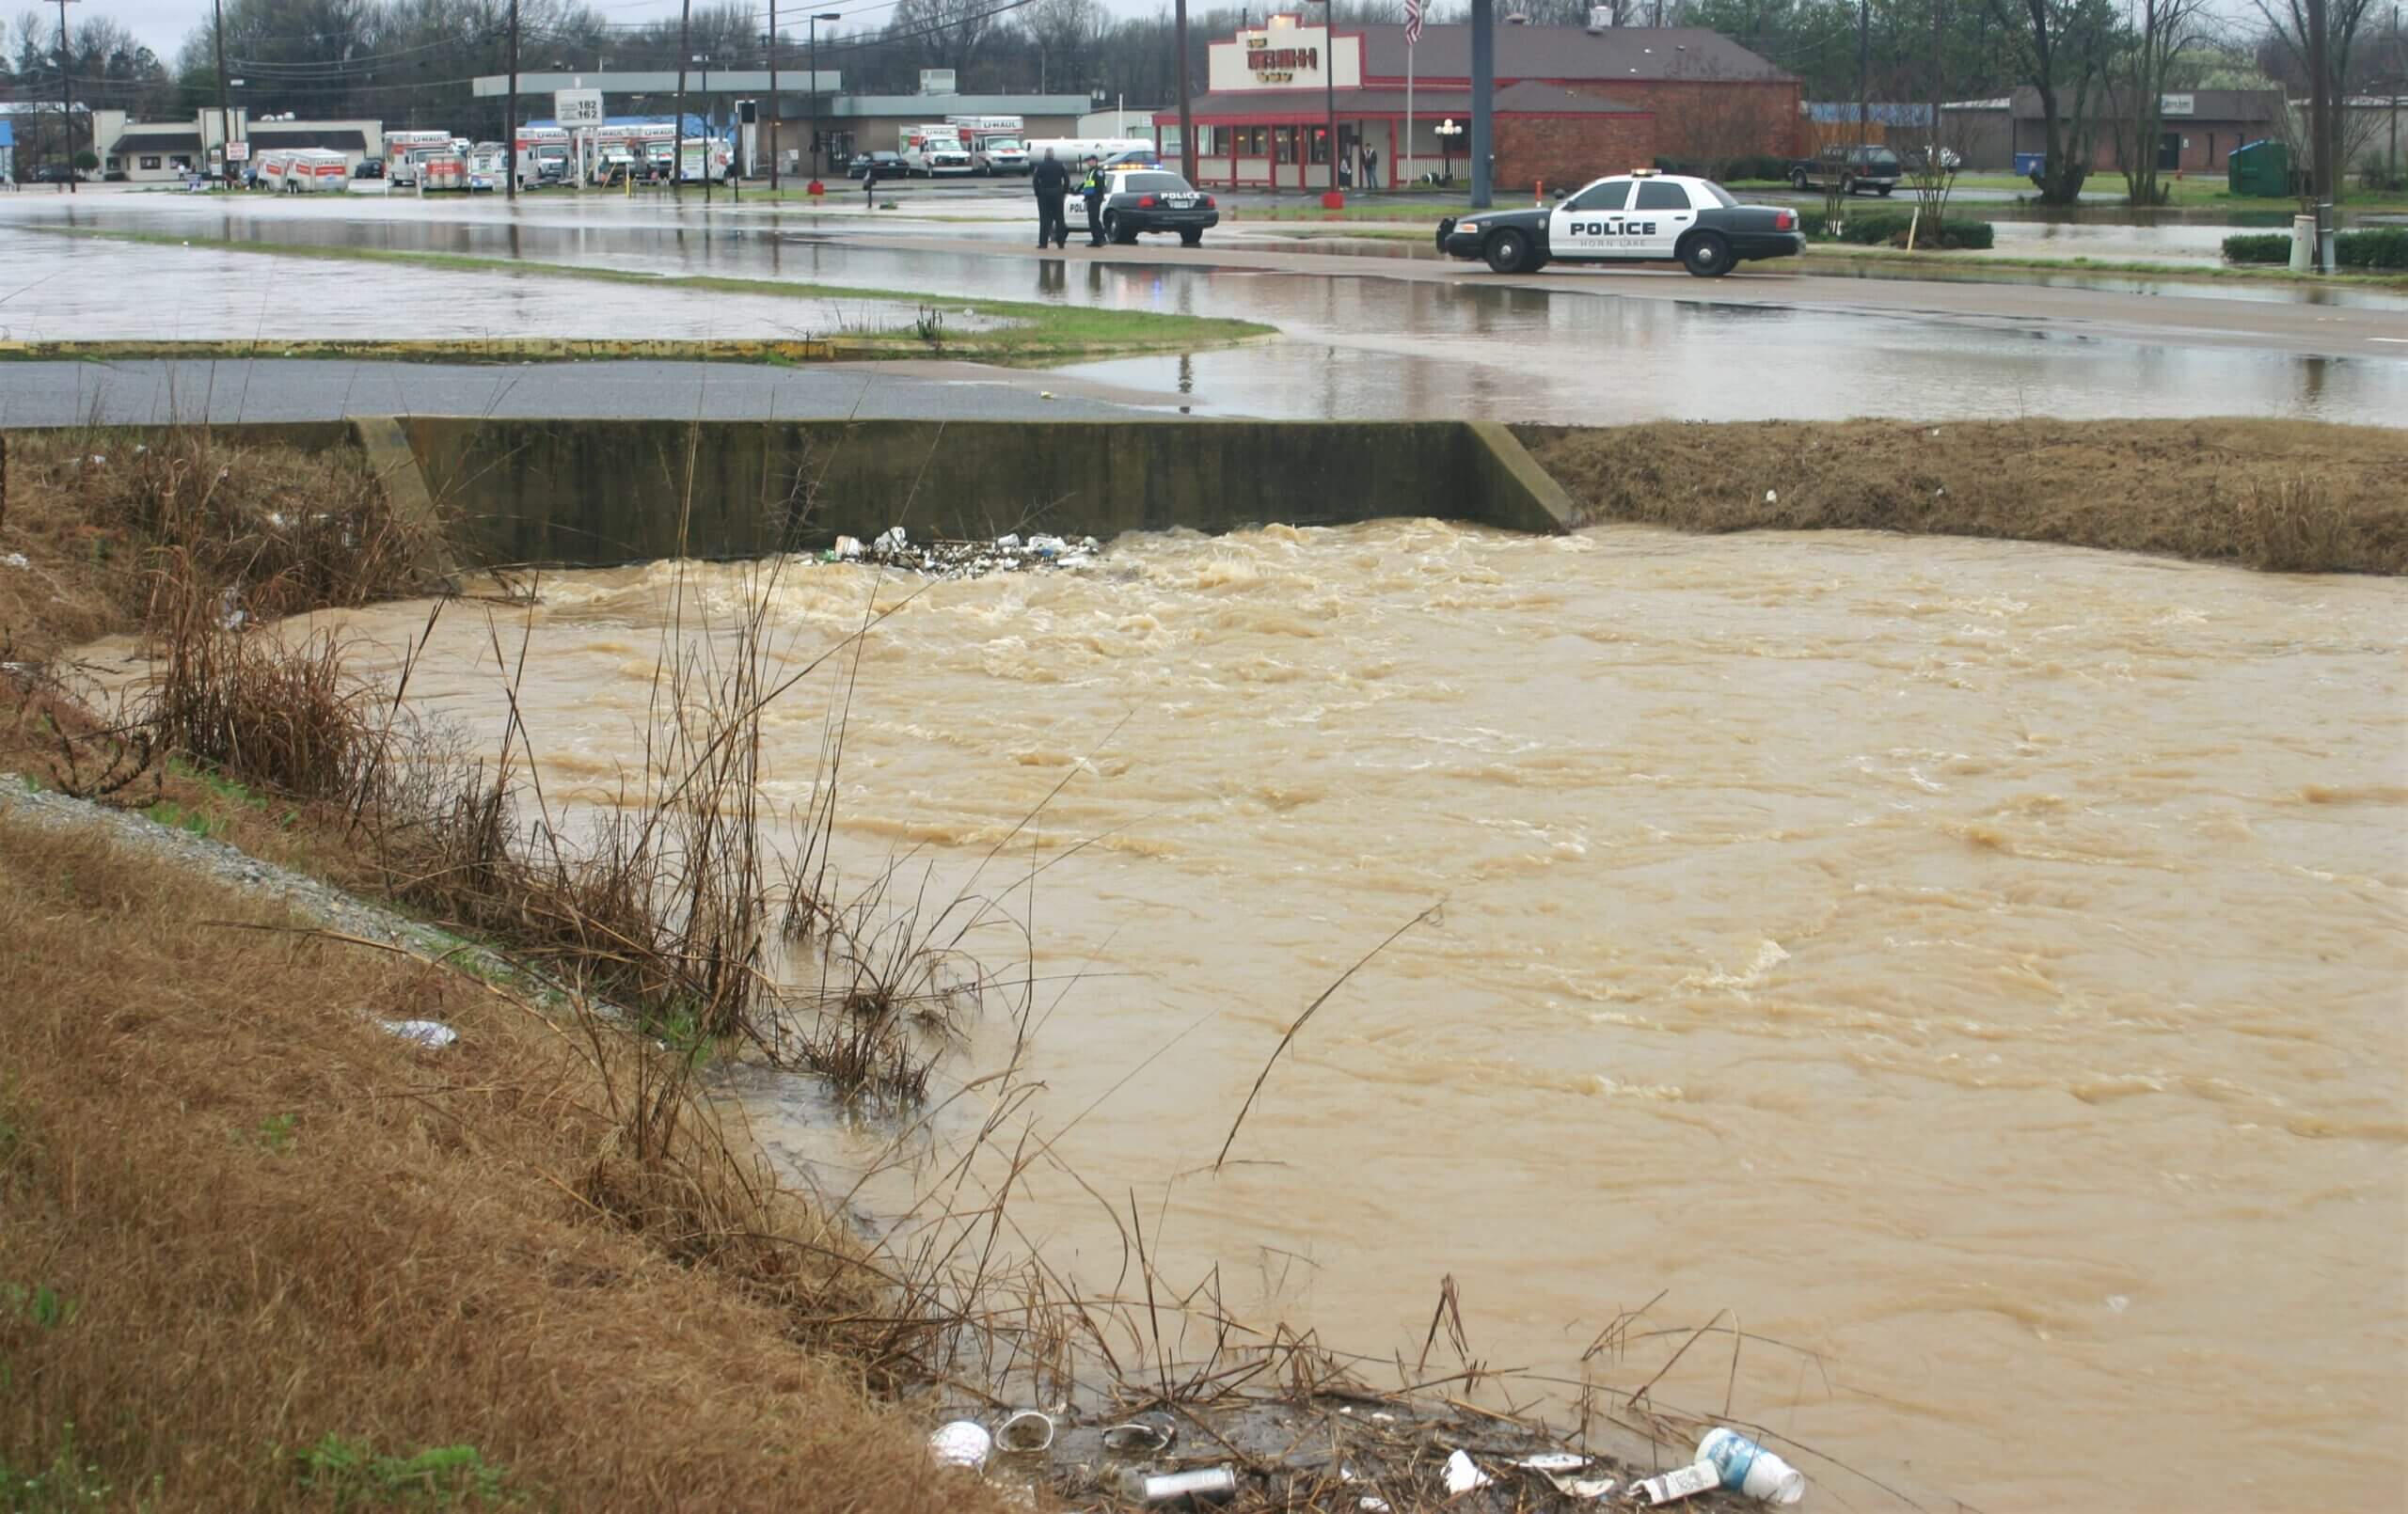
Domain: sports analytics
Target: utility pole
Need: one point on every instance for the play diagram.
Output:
(709, 120)
(773, 97)
(1187, 117)
(817, 17)
(677, 133)
(509, 114)
(224, 111)
(65, 96)
(1328, 79)
(1865, 70)
(1483, 99)
(2322, 137)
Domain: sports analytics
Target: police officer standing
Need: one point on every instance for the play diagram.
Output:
(1052, 183)
(1091, 191)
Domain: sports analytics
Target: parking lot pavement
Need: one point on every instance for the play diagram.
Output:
(157, 392)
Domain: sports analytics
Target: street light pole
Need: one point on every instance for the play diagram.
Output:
(224, 111)
(1329, 85)
(509, 114)
(677, 133)
(65, 96)
(708, 120)
(773, 99)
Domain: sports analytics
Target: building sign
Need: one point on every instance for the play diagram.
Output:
(2175, 104)
(1278, 65)
(576, 107)
(1284, 56)
(238, 150)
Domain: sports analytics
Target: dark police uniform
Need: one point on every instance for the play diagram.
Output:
(1052, 183)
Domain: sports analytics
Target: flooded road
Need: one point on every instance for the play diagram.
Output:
(1366, 336)
(1979, 965)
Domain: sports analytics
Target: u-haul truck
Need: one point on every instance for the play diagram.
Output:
(935, 151)
(399, 167)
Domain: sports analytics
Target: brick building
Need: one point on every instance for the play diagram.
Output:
(1570, 103)
(2198, 128)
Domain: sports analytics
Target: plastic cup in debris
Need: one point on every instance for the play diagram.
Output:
(1463, 1475)
(1007, 541)
(892, 539)
(962, 1444)
(1027, 1430)
(1144, 1435)
(1674, 1485)
(847, 548)
(432, 1035)
(1748, 1468)
(1167, 1487)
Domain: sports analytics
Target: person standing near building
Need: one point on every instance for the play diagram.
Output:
(1052, 183)
(1091, 193)
(1371, 167)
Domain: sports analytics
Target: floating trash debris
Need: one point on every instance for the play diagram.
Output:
(1463, 1475)
(432, 1035)
(1144, 1435)
(894, 548)
(1028, 1430)
(962, 1444)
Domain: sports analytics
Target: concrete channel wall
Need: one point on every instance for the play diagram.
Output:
(595, 493)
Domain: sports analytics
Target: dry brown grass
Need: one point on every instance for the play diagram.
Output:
(2286, 495)
(267, 1222)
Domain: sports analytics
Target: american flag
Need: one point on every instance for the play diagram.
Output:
(1412, 22)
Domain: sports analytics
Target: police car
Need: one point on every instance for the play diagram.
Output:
(1140, 200)
(1640, 216)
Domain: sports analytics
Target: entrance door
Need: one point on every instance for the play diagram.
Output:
(2169, 150)
(1659, 216)
(1589, 224)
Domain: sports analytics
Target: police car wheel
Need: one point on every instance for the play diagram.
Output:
(1508, 252)
(1706, 254)
(1883, 190)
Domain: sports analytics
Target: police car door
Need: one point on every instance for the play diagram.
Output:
(1659, 216)
(1589, 224)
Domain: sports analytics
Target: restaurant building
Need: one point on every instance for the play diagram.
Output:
(1570, 103)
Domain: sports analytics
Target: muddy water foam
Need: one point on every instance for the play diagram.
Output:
(1980, 965)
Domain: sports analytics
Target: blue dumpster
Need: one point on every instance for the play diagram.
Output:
(2028, 164)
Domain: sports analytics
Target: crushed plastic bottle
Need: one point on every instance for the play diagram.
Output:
(432, 1035)
(1747, 1468)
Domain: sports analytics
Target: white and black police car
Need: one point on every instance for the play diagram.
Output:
(1640, 216)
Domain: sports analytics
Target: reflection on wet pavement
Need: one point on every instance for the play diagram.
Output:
(1359, 344)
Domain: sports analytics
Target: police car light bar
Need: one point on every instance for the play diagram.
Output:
(1642, 173)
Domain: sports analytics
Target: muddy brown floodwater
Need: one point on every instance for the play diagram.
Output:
(1979, 964)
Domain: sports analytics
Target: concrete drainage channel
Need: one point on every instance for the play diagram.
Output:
(601, 492)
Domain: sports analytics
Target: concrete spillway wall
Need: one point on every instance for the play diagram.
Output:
(594, 493)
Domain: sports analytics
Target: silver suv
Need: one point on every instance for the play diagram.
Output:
(1851, 169)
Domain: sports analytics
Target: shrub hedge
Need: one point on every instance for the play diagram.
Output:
(1871, 229)
(2384, 248)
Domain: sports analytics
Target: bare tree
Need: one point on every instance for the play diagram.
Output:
(949, 31)
(2319, 36)
(2065, 47)
(2160, 31)
(1064, 34)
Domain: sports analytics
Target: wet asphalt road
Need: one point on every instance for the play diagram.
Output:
(226, 391)
(1368, 333)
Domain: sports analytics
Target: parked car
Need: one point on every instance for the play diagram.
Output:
(878, 166)
(54, 173)
(1851, 169)
(1915, 158)
(1640, 216)
(370, 168)
(1140, 200)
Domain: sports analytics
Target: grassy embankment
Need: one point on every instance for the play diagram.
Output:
(261, 1255)
(2277, 495)
(1034, 333)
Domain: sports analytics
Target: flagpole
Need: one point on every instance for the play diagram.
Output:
(1406, 166)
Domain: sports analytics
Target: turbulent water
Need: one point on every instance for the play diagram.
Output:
(1978, 965)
